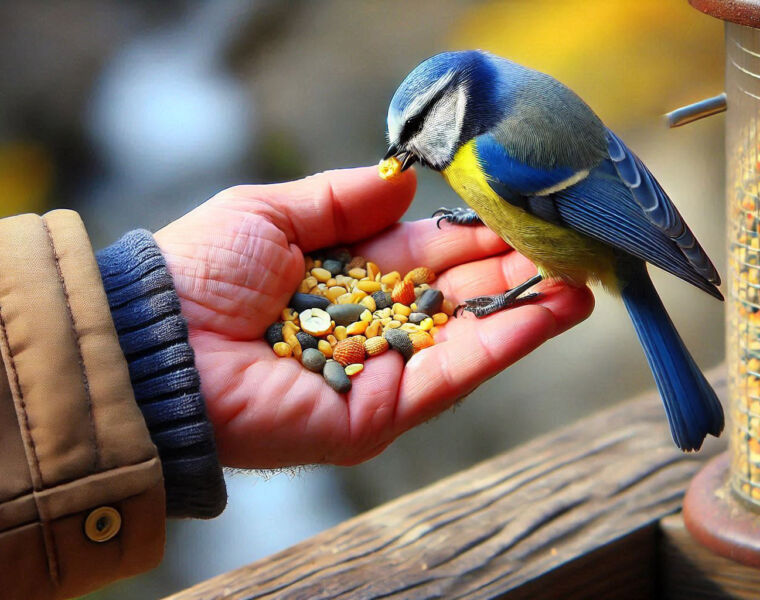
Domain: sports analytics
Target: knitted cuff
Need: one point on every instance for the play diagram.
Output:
(153, 336)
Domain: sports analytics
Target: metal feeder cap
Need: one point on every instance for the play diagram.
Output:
(743, 12)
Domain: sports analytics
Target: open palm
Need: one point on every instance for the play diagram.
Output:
(238, 258)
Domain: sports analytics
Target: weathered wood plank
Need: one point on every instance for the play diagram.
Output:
(551, 519)
(689, 571)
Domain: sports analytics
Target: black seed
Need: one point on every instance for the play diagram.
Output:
(345, 314)
(334, 266)
(306, 340)
(313, 360)
(430, 301)
(300, 302)
(340, 254)
(417, 317)
(382, 300)
(399, 340)
(274, 334)
(336, 377)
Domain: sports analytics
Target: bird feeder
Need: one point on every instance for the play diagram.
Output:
(722, 505)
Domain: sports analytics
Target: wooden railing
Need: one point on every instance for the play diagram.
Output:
(579, 513)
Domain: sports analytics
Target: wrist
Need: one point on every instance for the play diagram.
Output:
(153, 336)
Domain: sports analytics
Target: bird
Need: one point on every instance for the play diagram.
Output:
(537, 166)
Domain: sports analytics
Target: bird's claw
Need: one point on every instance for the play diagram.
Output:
(482, 306)
(456, 216)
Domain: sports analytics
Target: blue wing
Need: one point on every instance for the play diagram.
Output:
(619, 203)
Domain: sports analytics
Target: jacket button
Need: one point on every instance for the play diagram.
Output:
(102, 524)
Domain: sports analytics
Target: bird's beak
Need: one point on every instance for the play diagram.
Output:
(406, 158)
(392, 151)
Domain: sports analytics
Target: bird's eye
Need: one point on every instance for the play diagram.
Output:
(413, 126)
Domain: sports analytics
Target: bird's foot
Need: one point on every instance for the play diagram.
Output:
(457, 216)
(482, 306)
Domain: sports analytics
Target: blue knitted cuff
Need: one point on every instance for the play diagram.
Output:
(153, 335)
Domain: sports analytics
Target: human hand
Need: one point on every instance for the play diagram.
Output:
(238, 258)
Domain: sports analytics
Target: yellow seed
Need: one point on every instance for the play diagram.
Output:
(427, 324)
(391, 279)
(357, 296)
(288, 335)
(410, 327)
(372, 270)
(289, 326)
(440, 318)
(344, 299)
(335, 292)
(420, 275)
(295, 346)
(421, 340)
(375, 345)
(401, 309)
(308, 263)
(386, 312)
(369, 302)
(413, 306)
(373, 329)
(288, 314)
(357, 273)
(356, 328)
(448, 307)
(282, 349)
(332, 340)
(359, 338)
(325, 348)
(393, 324)
(385, 320)
(368, 286)
(366, 316)
(340, 332)
(400, 318)
(321, 274)
(304, 287)
(331, 282)
(353, 369)
(389, 168)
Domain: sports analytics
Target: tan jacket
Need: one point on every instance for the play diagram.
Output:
(81, 491)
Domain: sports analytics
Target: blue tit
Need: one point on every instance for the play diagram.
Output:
(538, 167)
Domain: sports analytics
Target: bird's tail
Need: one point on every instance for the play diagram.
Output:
(691, 404)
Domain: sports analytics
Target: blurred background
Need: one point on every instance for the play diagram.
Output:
(134, 112)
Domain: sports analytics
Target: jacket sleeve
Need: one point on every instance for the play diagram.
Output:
(81, 493)
(154, 338)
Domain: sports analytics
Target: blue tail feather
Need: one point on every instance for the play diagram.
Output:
(692, 406)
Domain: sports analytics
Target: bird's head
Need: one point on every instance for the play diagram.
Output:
(443, 103)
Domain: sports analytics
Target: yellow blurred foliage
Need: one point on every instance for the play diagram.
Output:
(26, 175)
(630, 60)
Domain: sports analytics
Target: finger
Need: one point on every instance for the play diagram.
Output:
(475, 351)
(371, 406)
(489, 276)
(420, 243)
(334, 207)
(568, 304)
(501, 273)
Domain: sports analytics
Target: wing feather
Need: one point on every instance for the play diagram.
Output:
(619, 203)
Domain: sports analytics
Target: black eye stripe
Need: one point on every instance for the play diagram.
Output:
(414, 124)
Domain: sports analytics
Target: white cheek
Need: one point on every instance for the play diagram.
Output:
(394, 129)
(438, 138)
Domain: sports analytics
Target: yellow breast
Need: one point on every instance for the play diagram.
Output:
(558, 252)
